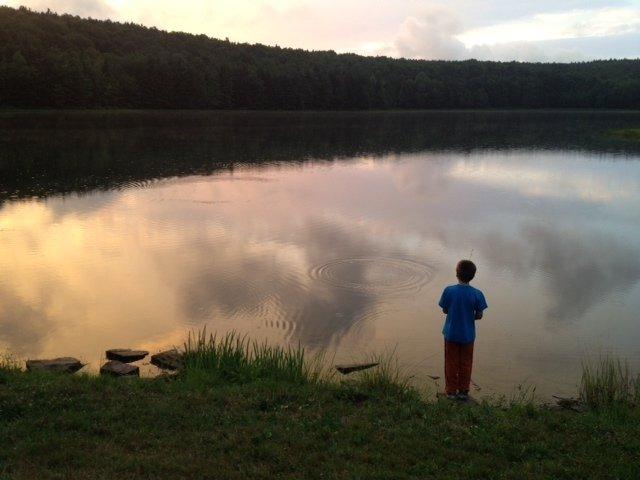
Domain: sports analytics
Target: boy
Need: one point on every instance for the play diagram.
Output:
(463, 305)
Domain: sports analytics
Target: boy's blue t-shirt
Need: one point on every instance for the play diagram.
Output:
(461, 301)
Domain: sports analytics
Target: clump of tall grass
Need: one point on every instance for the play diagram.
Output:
(608, 381)
(8, 366)
(8, 363)
(235, 358)
(524, 395)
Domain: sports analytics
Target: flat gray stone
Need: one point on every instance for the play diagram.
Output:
(126, 355)
(57, 365)
(355, 367)
(119, 369)
(168, 360)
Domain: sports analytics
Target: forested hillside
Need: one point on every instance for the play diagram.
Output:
(60, 61)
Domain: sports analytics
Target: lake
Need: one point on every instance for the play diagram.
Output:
(335, 230)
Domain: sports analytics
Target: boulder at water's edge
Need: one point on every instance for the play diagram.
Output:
(168, 360)
(126, 355)
(57, 365)
(119, 369)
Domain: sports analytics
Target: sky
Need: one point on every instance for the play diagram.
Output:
(542, 30)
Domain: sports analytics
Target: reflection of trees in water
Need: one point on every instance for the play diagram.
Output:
(44, 153)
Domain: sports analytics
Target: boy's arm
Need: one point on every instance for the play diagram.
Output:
(481, 304)
(444, 302)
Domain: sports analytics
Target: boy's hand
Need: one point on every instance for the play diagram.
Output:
(478, 315)
(445, 311)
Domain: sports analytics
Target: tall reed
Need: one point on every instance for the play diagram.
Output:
(234, 357)
(608, 381)
(8, 363)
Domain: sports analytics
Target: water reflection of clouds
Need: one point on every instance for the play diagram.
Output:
(200, 273)
(21, 323)
(580, 260)
(75, 280)
(578, 271)
(136, 264)
(263, 287)
(564, 239)
(541, 175)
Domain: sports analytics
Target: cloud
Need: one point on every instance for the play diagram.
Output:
(83, 8)
(432, 36)
(524, 52)
(561, 50)
(438, 33)
(551, 26)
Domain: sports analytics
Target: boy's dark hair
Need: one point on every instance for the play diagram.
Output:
(465, 270)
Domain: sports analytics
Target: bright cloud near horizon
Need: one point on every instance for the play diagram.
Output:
(545, 30)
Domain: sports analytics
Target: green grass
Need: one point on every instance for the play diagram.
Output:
(388, 378)
(247, 410)
(235, 358)
(608, 382)
(626, 133)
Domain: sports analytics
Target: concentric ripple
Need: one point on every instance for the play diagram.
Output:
(375, 275)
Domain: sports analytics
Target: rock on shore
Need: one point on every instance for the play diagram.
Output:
(168, 360)
(119, 369)
(126, 355)
(58, 365)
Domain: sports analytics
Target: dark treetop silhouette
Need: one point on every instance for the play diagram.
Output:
(61, 61)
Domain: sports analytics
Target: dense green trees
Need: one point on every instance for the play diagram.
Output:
(49, 60)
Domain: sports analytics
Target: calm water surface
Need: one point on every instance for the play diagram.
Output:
(338, 231)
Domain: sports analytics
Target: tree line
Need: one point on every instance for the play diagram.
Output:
(62, 61)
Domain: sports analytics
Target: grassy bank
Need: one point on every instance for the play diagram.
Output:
(247, 410)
